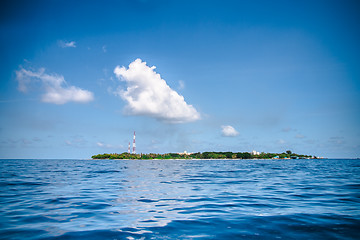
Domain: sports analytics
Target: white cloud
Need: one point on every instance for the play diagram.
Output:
(57, 91)
(229, 131)
(148, 94)
(64, 44)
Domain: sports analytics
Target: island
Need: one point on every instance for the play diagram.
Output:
(205, 155)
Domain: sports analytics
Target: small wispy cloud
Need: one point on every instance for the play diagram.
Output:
(65, 44)
(287, 129)
(57, 90)
(336, 140)
(109, 146)
(76, 141)
(21, 142)
(299, 136)
(181, 85)
(148, 94)
(104, 48)
(229, 131)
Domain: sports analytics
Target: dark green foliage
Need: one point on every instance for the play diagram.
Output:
(244, 155)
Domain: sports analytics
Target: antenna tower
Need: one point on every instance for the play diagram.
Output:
(134, 145)
(129, 148)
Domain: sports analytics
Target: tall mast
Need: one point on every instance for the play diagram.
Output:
(129, 148)
(134, 145)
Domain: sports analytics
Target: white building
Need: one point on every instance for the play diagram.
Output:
(185, 153)
(255, 152)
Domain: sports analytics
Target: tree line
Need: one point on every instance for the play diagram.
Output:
(205, 155)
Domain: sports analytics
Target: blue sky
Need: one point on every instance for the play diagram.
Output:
(77, 78)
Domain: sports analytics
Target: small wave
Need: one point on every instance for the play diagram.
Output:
(96, 206)
(21, 183)
(352, 186)
(106, 171)
(147, 200)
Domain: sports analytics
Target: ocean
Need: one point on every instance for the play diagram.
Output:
(180, 199)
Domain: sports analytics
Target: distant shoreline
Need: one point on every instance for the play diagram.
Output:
(221, 159)
(205, 155)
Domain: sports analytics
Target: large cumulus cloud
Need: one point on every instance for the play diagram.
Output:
(148, 94)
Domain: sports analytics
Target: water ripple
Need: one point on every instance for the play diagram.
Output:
(179, 199)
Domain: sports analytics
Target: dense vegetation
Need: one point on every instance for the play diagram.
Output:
(204, 155)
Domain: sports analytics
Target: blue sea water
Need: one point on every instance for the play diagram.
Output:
(180, 199)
